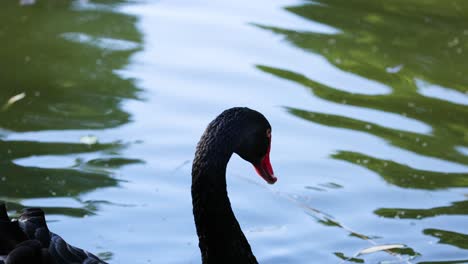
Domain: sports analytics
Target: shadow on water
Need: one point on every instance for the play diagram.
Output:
(62, 57)
(419, 49)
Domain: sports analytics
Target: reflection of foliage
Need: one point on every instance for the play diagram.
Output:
(400, 44)
(49, 182)
(106, 256)
(405, 176)
(69, 83)
(447, 237)
(350, 259)
(428, 38)
(112, 162)
(456, 208)
(88, 208)
(45, 182)
(448, 120)
(419, 143)
(21, 182)
(21, 149)
(376, 35)
(444, 262)
(328, 221)
(64, 58)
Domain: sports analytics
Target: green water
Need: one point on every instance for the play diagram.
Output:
(368, 101)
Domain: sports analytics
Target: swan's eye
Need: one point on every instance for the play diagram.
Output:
(268, 133)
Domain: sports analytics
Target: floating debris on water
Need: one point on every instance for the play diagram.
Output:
(453, 43)
(27, 2)
(89, 140)
(13, 100)
(380, 248)
(394, 69)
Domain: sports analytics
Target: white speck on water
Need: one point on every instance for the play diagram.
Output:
(453, 42)
(109, 44)
(394, 69)
(27, 2)
(13, 100)
(89, 140)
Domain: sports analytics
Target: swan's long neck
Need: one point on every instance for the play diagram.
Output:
(220, 237)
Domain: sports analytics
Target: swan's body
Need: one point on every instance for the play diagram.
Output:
(237, 130)
(29, 241)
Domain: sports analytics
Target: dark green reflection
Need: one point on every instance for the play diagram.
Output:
(447, 237)
(456, 208)
(403, 175)
(13, 149)
(63, 56)
(417, 36)
(350, 259)
(24, 182)
(88, 208)
(423, 144)
(449, 121)
(401, 45)
(428, 40)
(64, 60)
(445, 262)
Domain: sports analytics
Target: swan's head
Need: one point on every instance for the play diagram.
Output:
(255, 143)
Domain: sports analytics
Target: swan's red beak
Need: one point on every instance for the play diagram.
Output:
(265, 170)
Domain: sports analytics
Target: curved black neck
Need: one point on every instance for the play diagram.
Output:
(220, 237)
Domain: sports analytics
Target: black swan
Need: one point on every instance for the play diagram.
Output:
(237, 130)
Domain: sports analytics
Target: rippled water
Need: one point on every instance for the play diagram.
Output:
(367, 99)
